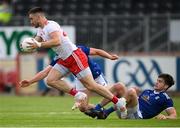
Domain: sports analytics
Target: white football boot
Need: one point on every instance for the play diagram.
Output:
(121, 105)
(80, 97)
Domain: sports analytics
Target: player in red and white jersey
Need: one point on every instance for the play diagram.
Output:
(66, 48)
(71, 58)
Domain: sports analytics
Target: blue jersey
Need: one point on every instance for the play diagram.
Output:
(94, 67)
(152, 103)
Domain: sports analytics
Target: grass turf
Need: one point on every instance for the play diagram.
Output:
(56, 112)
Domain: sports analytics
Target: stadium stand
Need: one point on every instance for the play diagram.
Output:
(109, 24)
(102, 7)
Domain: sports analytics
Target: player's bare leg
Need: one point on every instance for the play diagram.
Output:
(54, 79)
(131, 98)
(118, 89)
(91, 85)
(132, 101)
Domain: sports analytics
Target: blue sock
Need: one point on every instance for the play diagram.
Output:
(98, 107)
(109, 110)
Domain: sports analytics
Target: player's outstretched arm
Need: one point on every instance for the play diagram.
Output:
(171, 114)
(39, 76)
(102, 53)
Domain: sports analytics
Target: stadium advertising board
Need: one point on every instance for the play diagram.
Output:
(135, 71)
(10, 37)
(140, 71)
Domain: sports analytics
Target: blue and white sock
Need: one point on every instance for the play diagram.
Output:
(98, 107)
(109, 110)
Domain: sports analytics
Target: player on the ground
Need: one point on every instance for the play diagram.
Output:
(149, 104)
(71, 59)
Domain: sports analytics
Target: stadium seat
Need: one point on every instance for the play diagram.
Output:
(90, 30)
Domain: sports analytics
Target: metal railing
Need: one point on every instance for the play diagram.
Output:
(128, 33)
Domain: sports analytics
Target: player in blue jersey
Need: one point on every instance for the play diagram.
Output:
(149, 104)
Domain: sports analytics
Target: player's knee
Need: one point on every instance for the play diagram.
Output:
(131, 92)
(90, 87)
(137, 89)
(49, 81)
(120, 89)
(119, 86)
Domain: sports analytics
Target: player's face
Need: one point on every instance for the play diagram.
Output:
(34, 20)
(160, 85)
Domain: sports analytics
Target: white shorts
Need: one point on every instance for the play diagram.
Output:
(100, 80)
(64, 71)
(133, 113)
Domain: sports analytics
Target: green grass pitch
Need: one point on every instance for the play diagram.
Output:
(56, 112)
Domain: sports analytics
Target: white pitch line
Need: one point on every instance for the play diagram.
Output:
(85, 127)
(41, 113)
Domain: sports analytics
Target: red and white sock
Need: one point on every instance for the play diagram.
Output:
(73, 92)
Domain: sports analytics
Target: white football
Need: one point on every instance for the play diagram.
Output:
(24, 45)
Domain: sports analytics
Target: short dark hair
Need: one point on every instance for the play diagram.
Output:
(35, 10)
(168, 79)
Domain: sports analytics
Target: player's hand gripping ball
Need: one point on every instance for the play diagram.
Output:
(25, 44)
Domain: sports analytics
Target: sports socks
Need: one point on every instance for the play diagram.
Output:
(109, 110)
(73, 92)
(98, 107)
(114, 100)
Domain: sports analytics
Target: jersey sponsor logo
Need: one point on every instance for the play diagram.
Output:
(145, 98)
(139, 68)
